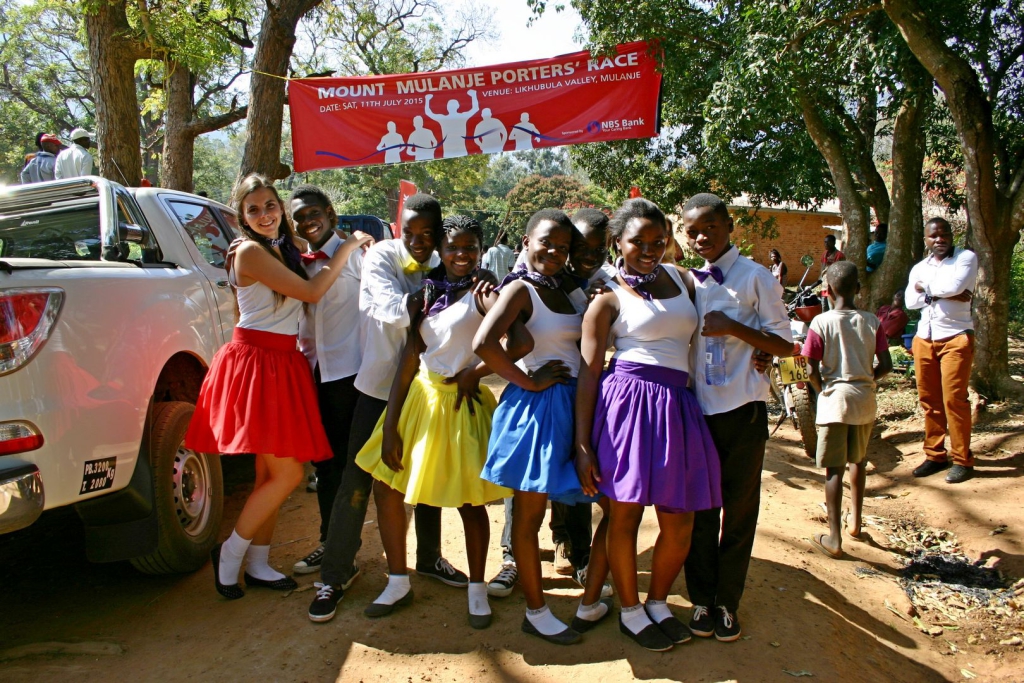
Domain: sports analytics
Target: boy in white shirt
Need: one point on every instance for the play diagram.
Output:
(841, 346)
(741, 301)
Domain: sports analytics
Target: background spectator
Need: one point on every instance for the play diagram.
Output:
(75, 160)
(876, 250)
(41, 166)
(779, 270)
(893, 318)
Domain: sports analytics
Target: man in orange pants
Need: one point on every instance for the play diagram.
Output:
(941, 287)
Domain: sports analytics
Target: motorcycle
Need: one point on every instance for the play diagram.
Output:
(790, 377)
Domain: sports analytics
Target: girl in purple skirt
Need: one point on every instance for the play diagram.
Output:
(640, 437)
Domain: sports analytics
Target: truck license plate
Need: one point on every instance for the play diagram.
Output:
(98, 475)
(793, 370)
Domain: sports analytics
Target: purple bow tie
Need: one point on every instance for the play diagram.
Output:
(711, 271)
(521, 272)
(638, 283)
(446, 289)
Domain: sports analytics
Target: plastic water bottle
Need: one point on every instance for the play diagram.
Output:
(714, 361)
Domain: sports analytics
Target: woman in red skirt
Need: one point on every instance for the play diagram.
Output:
(258, 396)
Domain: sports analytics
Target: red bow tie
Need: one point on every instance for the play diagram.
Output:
(314, 256)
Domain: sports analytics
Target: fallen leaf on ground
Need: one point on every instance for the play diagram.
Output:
(798, 674)
(775, 644)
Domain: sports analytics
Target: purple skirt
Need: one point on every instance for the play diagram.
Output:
(652, 444)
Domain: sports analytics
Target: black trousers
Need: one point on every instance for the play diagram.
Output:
(337, 400)
(344, 536)
(723, 538)
(572, 524)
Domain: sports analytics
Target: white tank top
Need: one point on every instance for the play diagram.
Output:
(258, 311)
(654, 332)
(555, 336)
(449, 337)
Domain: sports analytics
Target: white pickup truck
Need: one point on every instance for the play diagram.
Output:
(112, 304)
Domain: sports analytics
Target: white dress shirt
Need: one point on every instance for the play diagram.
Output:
(942, 318)
(383, 310)
(329, 330)
(751, 296)
(499, 260)
(73, 162)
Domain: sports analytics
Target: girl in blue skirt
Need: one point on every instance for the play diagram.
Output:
(531, 444)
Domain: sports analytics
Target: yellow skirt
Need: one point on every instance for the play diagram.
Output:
(443, 450)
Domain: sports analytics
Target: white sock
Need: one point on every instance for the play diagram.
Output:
(544, 621)
(231, 553)
(478, 604)
(658, 610)
(256, 563)
(398, 587)
(591, 612)
(635, 618)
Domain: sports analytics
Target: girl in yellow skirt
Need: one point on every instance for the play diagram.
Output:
(431, 443)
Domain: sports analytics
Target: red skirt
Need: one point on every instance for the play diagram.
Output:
(259, 397)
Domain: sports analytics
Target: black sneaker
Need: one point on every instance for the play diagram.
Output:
(310, 563)
(727, 626)
(650, 638)
(311, 483)
(563, 566)
(580, 577)
(702, 623)
(502, 584)
(959, 473)
(929, 467)
(444, 572)
(325, 604)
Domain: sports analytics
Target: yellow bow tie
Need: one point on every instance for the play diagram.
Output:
(411, 266)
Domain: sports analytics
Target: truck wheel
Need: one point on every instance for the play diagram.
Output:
(804, 402)
(188, 494)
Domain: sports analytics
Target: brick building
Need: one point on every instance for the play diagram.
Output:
(799, 232)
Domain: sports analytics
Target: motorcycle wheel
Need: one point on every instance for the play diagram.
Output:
(804, 405)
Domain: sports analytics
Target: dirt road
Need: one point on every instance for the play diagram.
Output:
(64, 619)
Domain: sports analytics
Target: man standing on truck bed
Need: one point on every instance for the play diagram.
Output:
(75, 161)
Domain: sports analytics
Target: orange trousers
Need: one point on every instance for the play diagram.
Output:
(943, 369)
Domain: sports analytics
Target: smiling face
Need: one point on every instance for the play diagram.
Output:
(642, 245)
(707, 232)
(313, 222)
(938, 237)
(547, 247)
(418, 235)
(262, 211)
(587, 253)
(460, 253)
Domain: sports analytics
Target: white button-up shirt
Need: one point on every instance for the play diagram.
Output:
(329, 329)
(942, 318)
(73, 162)
(499, 260)
(383, 309)
(749, 295)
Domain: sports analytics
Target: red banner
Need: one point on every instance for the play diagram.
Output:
(406, 189)
(567, 100)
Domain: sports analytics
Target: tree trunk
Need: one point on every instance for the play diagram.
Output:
(996, 213)
(908, 151)
(179, 142)
(112, 56)
(267, 92)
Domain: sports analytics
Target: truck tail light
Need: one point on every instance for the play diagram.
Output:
(18, 437)
(26, 318)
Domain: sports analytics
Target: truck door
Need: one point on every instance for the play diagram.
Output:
(210, 236)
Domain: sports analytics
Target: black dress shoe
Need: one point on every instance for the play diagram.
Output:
(959, 473)
(379, 609)
(231, 592)
(283, 584)
(479, 621)
(675, 630)
(582, 625)
(566, 637)
(929, 467)
(650, 638)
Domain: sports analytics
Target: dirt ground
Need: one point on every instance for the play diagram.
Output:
(803, 614)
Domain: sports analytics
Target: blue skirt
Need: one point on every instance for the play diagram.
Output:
(531, 444)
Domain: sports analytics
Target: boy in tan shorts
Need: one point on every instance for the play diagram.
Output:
(840, 348)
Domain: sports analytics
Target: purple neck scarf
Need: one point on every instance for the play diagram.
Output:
(638, 283)
(521, 272)
(447, 291)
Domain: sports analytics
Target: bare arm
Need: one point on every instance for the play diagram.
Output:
(254, 263)
(408, 365)
(815, 374)
(718, 324)
(597, 322)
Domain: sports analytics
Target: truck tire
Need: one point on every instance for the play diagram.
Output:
(188, 495)
(804, 402)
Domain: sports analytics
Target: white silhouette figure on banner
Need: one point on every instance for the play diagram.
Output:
(524, 132)
(422, 145)
(393, 143)
(490, 134)
(453, 125)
